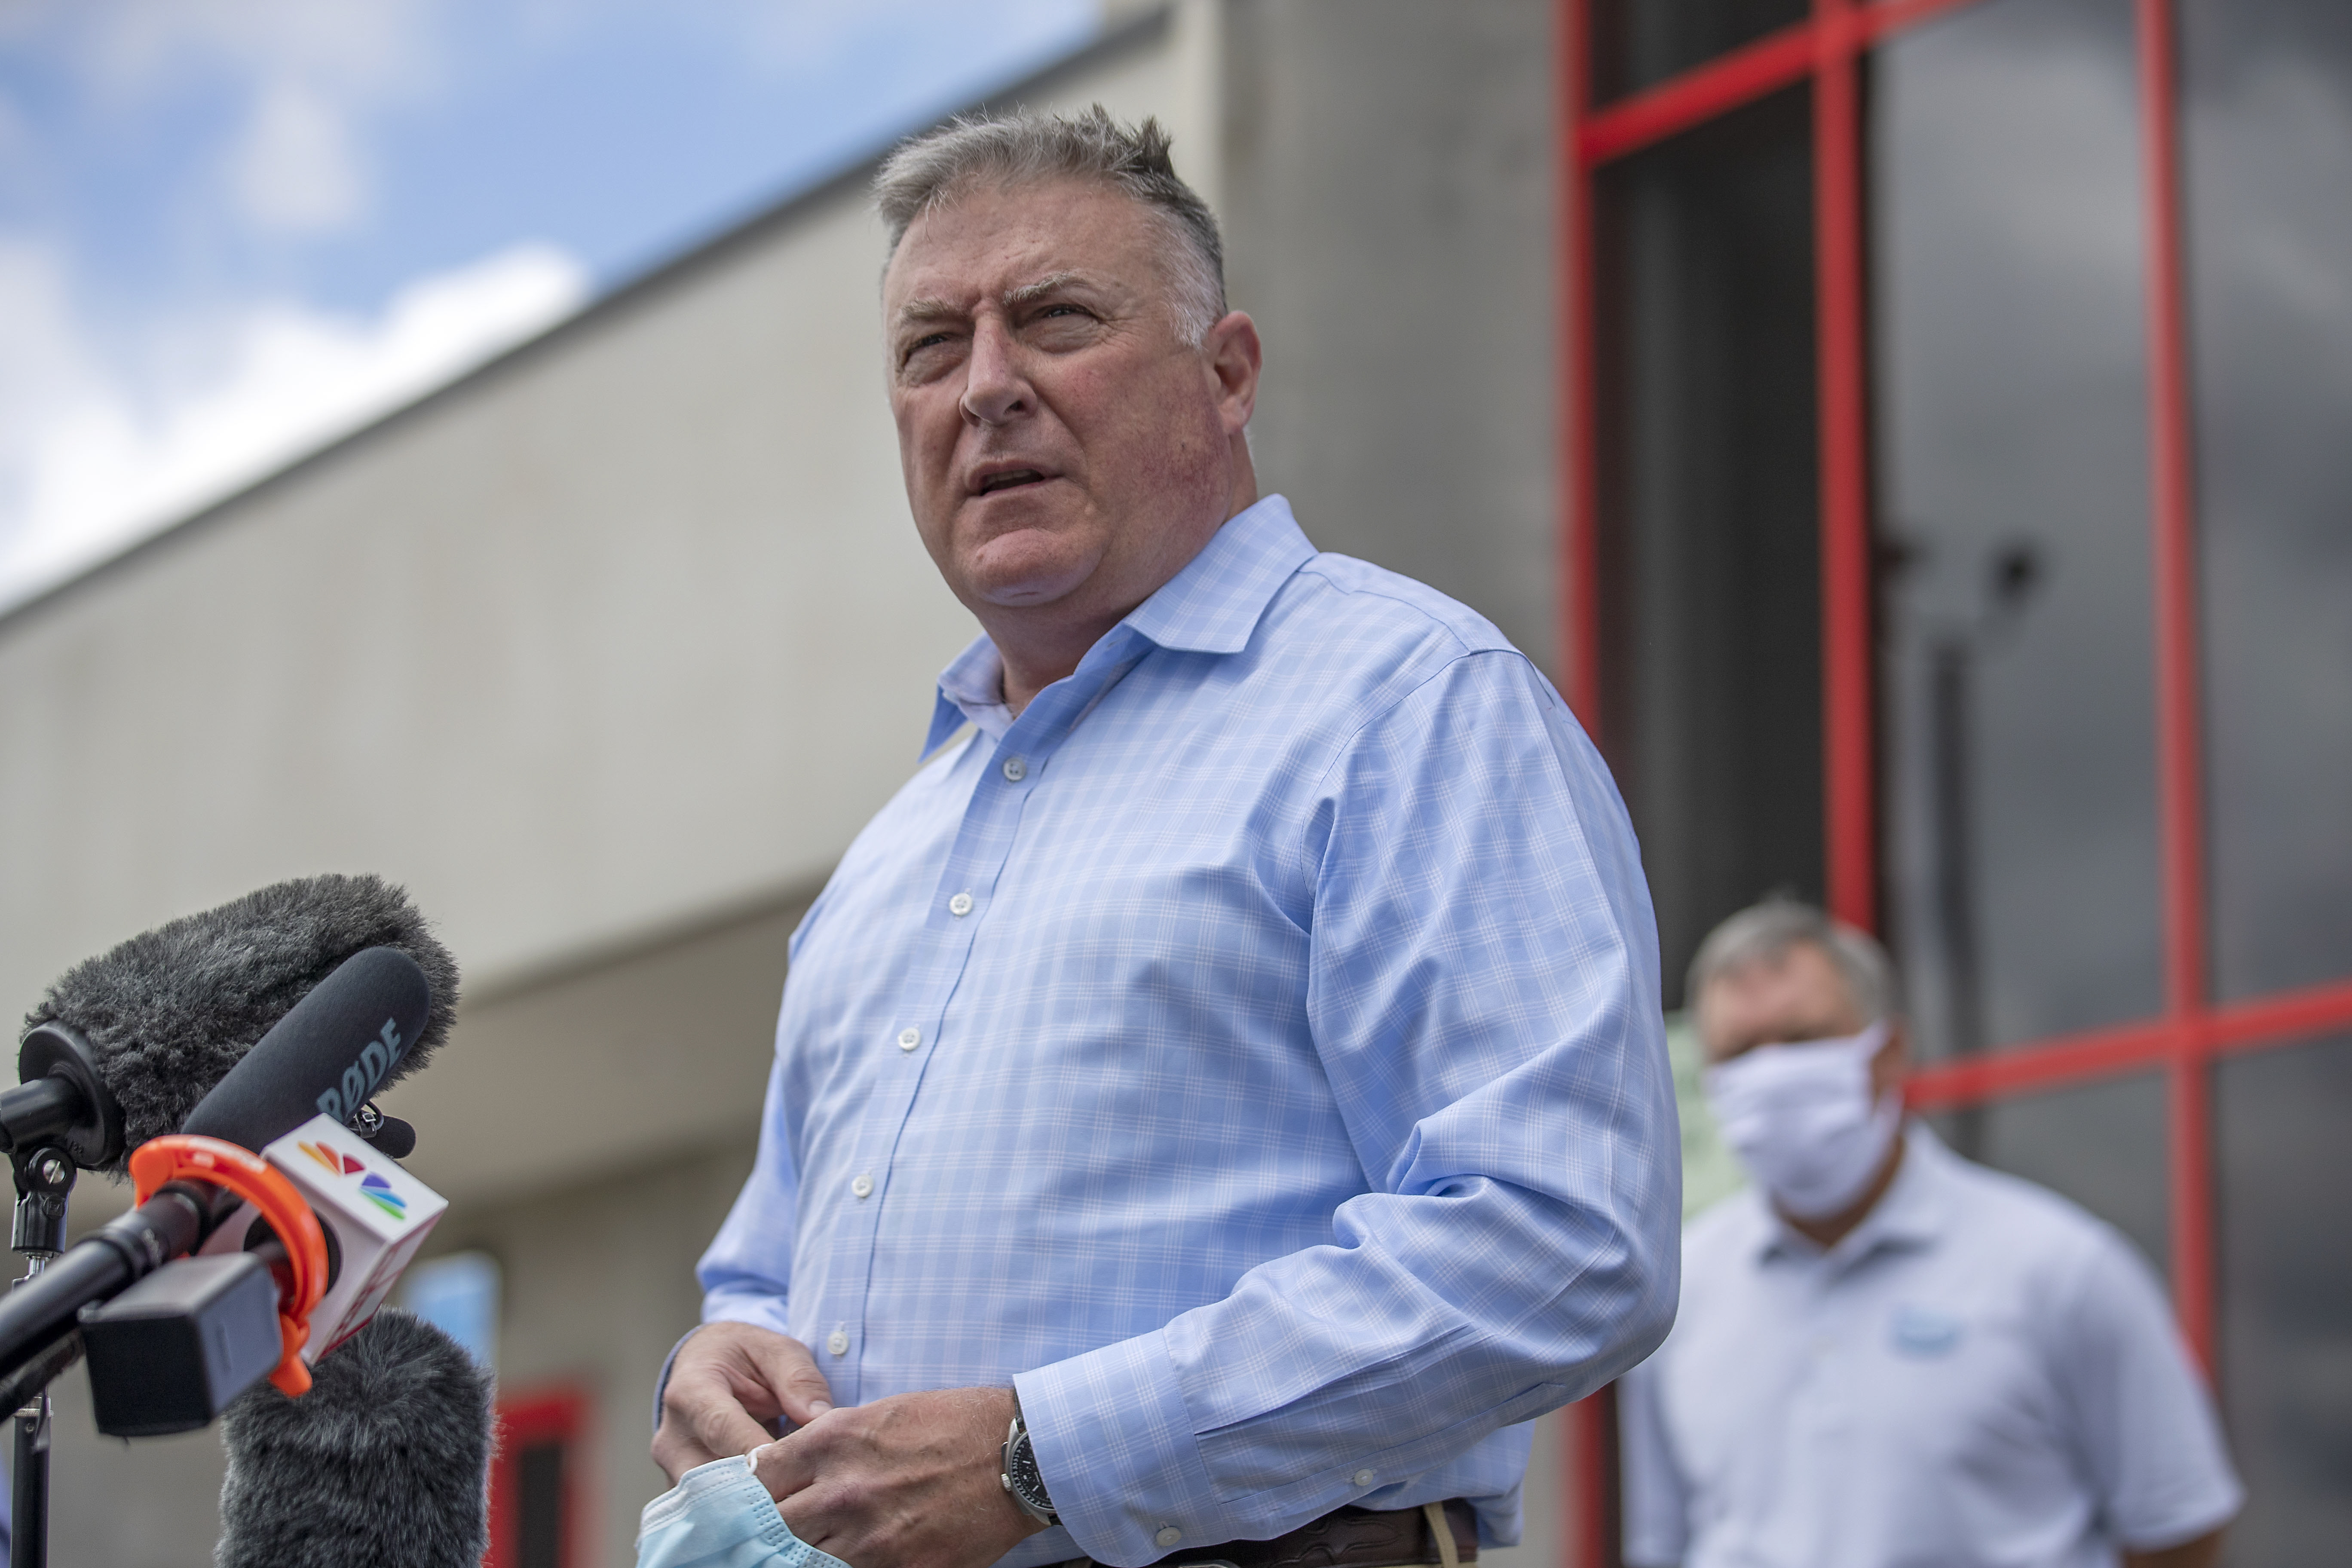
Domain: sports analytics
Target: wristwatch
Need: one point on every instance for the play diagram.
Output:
(1020, 1476)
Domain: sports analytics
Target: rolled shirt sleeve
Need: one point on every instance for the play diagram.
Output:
(1483, 999)
(747, 1271)
(2146, 1421)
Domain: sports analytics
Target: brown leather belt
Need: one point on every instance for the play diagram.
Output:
(1347, 1538)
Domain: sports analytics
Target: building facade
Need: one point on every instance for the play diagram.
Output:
(1907, 430)
(1957, 516)
(606, 650)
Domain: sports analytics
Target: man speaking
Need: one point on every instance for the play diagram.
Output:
(1222, 1097)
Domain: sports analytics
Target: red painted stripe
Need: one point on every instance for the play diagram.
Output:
(1742, 75)
(2279, 1020)
(1580, 550)
(2264, 1024)
(1849, 776)
(1770, 63)
(2050, 1064)
(2179, 743)
(1584, 1539)
(2173, 496)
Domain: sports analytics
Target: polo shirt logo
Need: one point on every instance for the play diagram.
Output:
(1925, 1332)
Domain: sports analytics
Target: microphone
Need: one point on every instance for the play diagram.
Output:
(385, 1461)
(166, 1015)
(351, 1032)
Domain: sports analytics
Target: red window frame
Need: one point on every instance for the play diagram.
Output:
(2186, 1040)
(531, 1417)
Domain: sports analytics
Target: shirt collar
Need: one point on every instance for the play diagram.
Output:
(1915, 1211)
(1213, 606)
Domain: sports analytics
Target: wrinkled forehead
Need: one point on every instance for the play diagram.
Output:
(1796, 993)
(989, 236)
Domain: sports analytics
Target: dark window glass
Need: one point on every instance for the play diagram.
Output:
(2100, 1146)
(539, 1506)
(1640, 43)
(2284, 1171)
(2017, 647)
(1710, 624)
(2267, 132)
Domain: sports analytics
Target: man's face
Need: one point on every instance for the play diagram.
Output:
(1796, 997)
(1064, 447)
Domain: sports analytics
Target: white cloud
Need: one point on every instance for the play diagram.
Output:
(88, 466)
(294, 168)
(310, 77)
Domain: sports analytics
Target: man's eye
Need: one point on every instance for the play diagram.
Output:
(916, 349)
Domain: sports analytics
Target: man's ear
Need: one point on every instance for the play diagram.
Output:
(1233, 356)
(1892, 1064)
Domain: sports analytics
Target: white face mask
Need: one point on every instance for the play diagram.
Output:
(719, 1515)
(1802, 1120)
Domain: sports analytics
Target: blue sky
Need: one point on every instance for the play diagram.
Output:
(231, 229)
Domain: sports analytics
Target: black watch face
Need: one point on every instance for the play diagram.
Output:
(1021, 1468)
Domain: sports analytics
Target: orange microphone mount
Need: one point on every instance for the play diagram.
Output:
(300, 1256)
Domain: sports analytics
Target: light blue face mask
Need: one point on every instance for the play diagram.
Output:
(719, 1516)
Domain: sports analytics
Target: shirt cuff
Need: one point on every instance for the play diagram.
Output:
(661, 1383)
(1116, 1447)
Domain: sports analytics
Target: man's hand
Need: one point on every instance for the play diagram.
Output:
(728, 1383)
(911, 1482)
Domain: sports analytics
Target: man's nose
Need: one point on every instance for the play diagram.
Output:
(994, 390)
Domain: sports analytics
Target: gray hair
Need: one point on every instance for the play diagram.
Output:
(1762, 933)
(930, 172)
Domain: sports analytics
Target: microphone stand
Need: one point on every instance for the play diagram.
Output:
(44, 1176)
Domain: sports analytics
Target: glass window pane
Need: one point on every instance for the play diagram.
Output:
(1710, 627)
(2101, 1144)
(2017, 674)
(2285, 1168)
(1640, 43)
(2267, 133)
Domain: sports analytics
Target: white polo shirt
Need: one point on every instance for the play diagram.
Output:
(1980, 1373)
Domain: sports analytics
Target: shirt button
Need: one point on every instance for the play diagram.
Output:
(838, 1343)
(862, 1186)
(1169, 1535)
(1362, 1478)
(960, 905)
(909, 1038)
(1015, 769)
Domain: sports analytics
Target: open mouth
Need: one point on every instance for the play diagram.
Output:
(1011, 479)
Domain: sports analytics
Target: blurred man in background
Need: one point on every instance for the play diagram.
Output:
(1223, 1097)
(1886, 1354)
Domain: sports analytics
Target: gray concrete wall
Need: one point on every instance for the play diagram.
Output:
(1388, 198)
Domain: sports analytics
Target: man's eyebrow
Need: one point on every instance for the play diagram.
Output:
(1051, 283)
(930, 307)
(927, 309)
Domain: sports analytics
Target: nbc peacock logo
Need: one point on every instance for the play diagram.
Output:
(373, 1187)
(378, 1191)
(340, 1163)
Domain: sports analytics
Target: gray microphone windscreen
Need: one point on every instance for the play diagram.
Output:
(384, 1462)
(168, 1013)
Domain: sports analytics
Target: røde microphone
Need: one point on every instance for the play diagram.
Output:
(359, 1019)
(167, 1354)
(385, 1462)
(166, 1015)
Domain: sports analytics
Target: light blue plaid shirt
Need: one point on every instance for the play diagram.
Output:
(1251, 1052)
